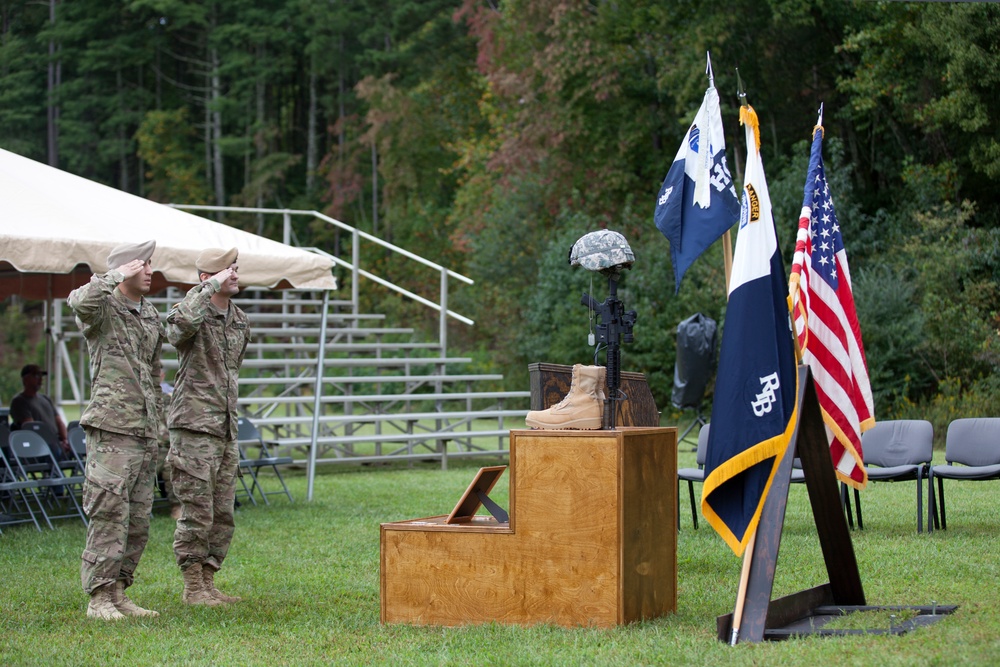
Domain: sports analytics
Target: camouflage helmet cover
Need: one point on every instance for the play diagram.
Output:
(604, 250)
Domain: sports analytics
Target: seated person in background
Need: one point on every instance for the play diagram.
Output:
(32, 406)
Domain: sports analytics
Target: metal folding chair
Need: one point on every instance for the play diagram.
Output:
(78, 444)
(34, 464)
(898, 451)
(692, 475)
(14, 506)
(971, 454)
(66, 461)
(249, 436)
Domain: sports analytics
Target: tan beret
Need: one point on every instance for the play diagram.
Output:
(127, 252)
(214, 260)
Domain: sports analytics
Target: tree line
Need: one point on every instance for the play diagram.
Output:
(488, 135)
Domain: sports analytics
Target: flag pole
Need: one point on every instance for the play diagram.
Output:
(741, 593)
(727, 252)
(727, 242)
(793, 280)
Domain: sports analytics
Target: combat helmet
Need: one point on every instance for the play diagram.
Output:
(604, 251)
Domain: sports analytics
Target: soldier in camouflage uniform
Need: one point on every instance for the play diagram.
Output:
(211, 335)
(124, 337)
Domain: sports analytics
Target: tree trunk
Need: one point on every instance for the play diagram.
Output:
(216, 124)
(260, 142)
(342, 136)
(374, 188)
(311, 142)
(140, 163)
(52, 110)
(123, 154)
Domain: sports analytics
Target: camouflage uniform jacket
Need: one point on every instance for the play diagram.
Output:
(124, 358)
(210, 345)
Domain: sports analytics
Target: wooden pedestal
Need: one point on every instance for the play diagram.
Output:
(592, 539)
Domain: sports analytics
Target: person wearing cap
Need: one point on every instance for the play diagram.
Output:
(124, 337)
(211, 334)
(33, 406)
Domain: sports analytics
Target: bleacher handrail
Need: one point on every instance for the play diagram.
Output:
(354, 264)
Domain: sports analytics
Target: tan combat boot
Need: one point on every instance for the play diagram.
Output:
(126, 606)
(602, 381)
(102, 604)
(208, 576)
(194, 588)
(582, 408)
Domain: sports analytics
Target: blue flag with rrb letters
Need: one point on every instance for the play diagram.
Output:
(754, 408)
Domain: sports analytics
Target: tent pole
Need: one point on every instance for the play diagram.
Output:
(50, 351)
(317, 405)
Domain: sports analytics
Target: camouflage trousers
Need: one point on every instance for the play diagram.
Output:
(117, 497)
(203, 471)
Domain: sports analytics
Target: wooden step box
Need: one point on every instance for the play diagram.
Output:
(591, 540)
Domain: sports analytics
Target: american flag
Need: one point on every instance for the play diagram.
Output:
(827, 324)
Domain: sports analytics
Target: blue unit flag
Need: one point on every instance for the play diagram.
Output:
(697, 201)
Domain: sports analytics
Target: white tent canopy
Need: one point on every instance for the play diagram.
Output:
(56, 229)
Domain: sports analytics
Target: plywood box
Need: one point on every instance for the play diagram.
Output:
(592, 539)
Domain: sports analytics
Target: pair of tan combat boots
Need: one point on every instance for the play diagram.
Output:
(110, 603)
(583, 407)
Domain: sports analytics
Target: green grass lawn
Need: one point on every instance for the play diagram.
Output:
(309, 575)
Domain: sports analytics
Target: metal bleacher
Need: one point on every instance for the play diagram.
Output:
(359, 388)
(385, 395)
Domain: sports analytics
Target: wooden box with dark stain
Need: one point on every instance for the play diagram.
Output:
(551, 382)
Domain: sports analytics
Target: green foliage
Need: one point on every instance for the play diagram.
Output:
(17, 347)
(22, 75)
(165, 141)
(892, 326)
(554, 323)
(956, 299)
(928, 311)
(923, 87)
